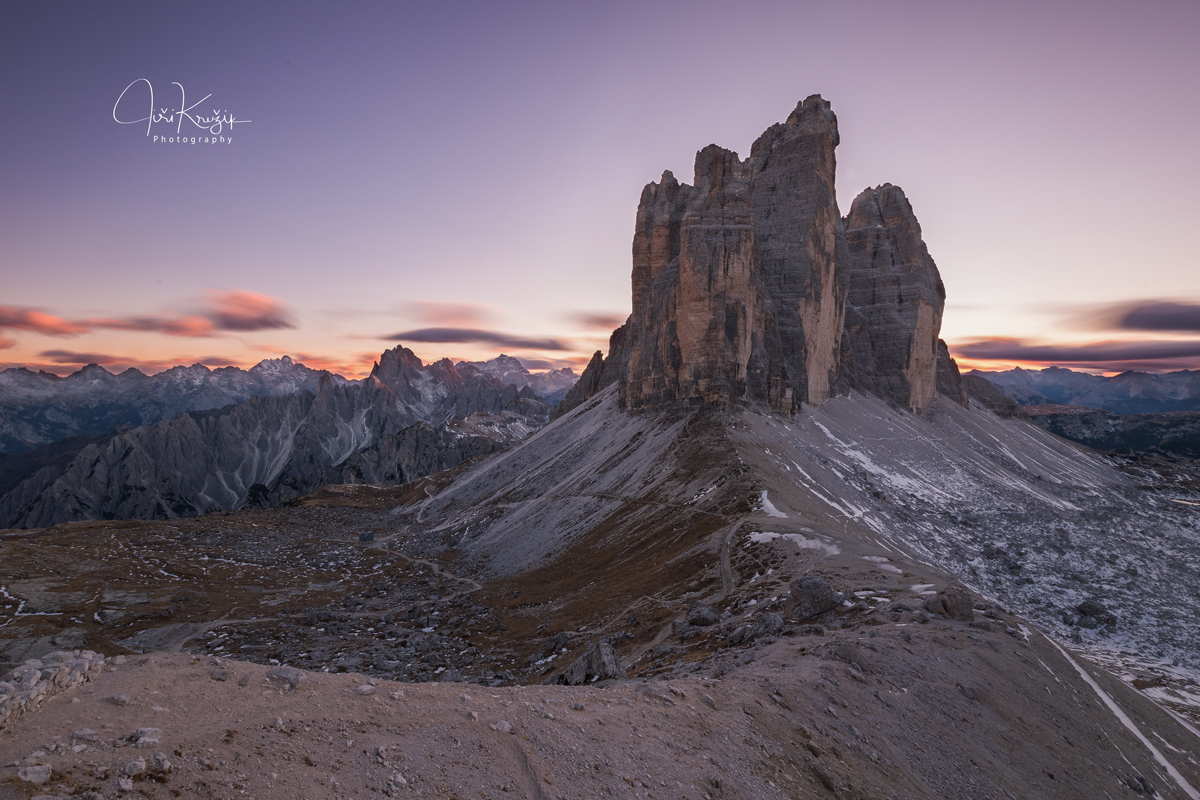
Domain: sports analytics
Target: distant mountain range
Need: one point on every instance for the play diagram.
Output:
(404, 421)
(1127, 393)
(1130, 413)
(38, 408)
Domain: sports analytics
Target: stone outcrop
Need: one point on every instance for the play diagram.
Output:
(598, 663)
(749, 286)
(739, 279)
(894, 301)
(813, 595)
(953, 602)
(37, 680)
(950, 381)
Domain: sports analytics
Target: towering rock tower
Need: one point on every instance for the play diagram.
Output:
(894, 303)
(739, 280)
(748, 286)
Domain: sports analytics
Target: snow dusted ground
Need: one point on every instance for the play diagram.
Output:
(1031, 521)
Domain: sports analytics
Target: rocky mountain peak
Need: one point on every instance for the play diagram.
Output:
(396, 366)
(749, 286)
(894, 301)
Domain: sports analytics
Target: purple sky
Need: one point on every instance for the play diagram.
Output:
(467, 175)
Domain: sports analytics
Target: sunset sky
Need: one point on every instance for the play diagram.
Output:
(461, 178)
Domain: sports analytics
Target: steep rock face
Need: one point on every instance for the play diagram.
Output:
(601, 372)
(950, 381)
(739, 280)
(423, 449)
(894, 301)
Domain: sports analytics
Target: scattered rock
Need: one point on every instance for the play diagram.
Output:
(701, 614)
(852, 656)
(135, 767)
(767, 624)
(85, 735)
(37, 775)
(598, 663)
(502, 726)
(244, 680)
(365, 689)
(290, 676)
(219, 674)
(120, 699)
(1139, 785)
(684, 630)
(813, 596)
(124, 785)
(953, 602)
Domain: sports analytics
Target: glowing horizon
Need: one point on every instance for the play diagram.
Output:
(466, 184)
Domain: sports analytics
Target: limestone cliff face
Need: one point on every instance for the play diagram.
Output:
(894, 301)
(950, 381)
(748, 285)
(739, 280)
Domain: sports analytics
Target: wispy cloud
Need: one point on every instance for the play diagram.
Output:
(434, 312)
(6, 342)
(475, 336)
(192, 326)
(30, 319)
(1109, 356)
(246, 311)
(1161, 315)
(598, 321)
(232, 311)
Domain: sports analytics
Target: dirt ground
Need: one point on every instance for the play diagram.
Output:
(898, 710)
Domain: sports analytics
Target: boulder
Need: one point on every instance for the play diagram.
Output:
(953, 602)
(702, 614)
(813, 596)
(37, 775)
(290, 676)
(599, 662)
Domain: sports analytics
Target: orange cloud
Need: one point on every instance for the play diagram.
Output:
(246, 311)
(603, 322)
(1106, 356)
(193, 326)
(452, 314)
(28, 319)
(6, 342)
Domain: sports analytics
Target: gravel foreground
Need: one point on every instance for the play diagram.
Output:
(944, 709)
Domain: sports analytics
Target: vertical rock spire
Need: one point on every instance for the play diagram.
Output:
(749, 286)
(738, 280)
